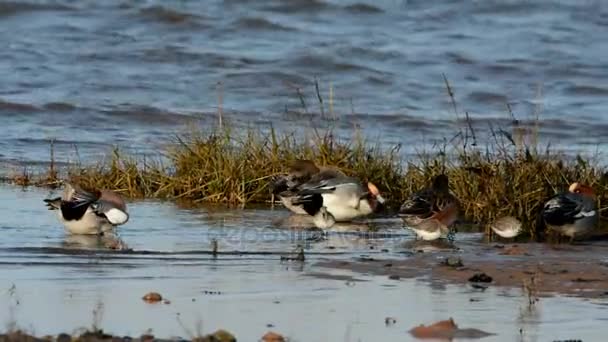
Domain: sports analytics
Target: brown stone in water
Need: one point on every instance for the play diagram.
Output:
(152, 297)
(446, 330)
(272, 337)
(441, 329)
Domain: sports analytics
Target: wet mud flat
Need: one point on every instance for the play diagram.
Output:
(578, 270)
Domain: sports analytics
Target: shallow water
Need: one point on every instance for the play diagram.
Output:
(91, 74)
(59, 281)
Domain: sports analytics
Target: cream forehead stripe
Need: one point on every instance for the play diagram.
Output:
(373, 189)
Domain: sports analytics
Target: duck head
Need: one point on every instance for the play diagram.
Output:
(375, 198)
(578, 188)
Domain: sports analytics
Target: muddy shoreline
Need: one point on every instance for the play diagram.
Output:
(540, 269)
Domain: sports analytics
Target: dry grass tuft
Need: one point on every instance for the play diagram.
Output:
(506, 177)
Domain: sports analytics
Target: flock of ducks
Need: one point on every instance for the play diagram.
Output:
(327, 195)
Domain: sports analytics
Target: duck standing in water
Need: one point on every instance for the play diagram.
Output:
(431, 212)
(571, 213)
(338, 199)
(89, 212)
(301, 171)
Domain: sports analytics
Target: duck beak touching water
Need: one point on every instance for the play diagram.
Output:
(572, 213)
(300, 172)
(89, 212)
(344, 197)
(431, 209)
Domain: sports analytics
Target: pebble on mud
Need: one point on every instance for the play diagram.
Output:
(394, 277)
(152, 297)
(273, 337)
(388, 321)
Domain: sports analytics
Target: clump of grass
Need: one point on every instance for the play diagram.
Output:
(509, 176)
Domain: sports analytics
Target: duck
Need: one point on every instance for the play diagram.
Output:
(89, 212)
(572, 213)
(301, 171)
(431, 212)
(338, 199)
(506, 227)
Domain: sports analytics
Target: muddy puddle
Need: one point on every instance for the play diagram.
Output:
(343, 291)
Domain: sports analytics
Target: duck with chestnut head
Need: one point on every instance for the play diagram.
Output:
(572, 213)
(343, 199)
(432, 211)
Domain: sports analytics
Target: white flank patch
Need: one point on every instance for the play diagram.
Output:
(586, 214)
(117, 216)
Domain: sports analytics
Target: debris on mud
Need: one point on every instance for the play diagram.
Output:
(480, 278)
(220, 335)
(452, 261)
(446, 330)
(388, 321)
(99, 335)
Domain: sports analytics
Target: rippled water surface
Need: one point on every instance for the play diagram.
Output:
(51, 283)
(94, 73)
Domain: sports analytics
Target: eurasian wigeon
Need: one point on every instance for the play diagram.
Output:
(431, 212)
(571, 213)
(344, 199)
(89, 212)
(300, 172)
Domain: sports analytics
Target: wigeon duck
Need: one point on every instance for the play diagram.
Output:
(89, 212)
(571, 213)
(432, 211)
(301, 171)
(506, 227)
(344, 199)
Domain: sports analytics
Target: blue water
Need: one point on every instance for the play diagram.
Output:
(91, 74)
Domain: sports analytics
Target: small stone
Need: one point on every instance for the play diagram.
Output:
(166, 302)
(152, 297)
(272, 337)
(394, 277)
(452, 261)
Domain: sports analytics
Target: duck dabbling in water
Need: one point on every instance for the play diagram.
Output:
(432, 211)
(344, 199)
(571, 213)
(300, 172)
(89, 212)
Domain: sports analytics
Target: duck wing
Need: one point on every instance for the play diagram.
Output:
(565, 209)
